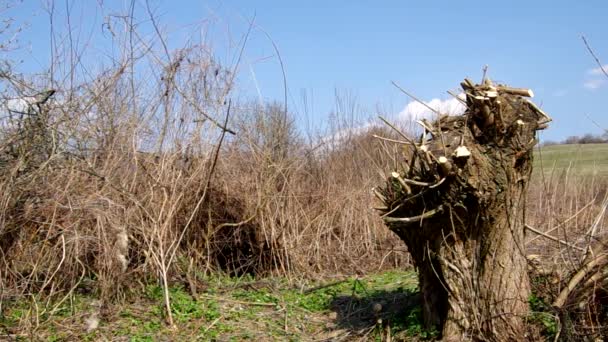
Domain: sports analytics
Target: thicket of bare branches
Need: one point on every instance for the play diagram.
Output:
(146, 171)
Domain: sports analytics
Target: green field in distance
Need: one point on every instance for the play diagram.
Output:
(577, 159)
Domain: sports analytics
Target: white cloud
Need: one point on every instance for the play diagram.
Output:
(344, 134)
(598, 71)
(596, 77)
(412, 111)
(594, 83)
(416, 110)
(560, 93)
(13, 111)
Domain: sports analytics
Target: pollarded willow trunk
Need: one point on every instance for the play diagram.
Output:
(459, 205)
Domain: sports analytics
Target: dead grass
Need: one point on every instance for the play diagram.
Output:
(570, 207)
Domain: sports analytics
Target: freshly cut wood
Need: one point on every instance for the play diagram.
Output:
(516, 91)
(445, 165)
(462, 152)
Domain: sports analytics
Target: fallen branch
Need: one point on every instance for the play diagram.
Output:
(222, 299)
(324, 286)
(417, 218)
(577, 278)
(565, 221)
(532, 229)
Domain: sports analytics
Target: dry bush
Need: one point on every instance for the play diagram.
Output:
(310, 203)
(570, 208)
(133, 175)
(102, 184)
(98, 208)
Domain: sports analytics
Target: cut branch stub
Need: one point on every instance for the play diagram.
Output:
(459, 209)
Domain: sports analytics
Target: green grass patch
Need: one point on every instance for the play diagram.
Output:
(577, 159)
(542, 315)
(236, 309)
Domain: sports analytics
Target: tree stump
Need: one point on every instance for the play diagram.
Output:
(459, 206)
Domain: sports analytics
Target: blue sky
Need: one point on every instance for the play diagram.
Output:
(359, 47)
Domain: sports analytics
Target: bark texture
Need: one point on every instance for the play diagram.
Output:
(459, 206)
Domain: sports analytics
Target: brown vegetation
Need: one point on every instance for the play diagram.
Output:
(119, 181)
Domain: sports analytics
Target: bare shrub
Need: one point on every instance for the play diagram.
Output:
(135, 176)
(571, 209)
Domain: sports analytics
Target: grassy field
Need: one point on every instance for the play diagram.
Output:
(235, 309)
(588, 159)
(377, 307)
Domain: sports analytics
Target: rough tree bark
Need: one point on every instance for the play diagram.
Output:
(458, 204)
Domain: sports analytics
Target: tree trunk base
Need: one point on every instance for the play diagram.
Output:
(460, 206)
